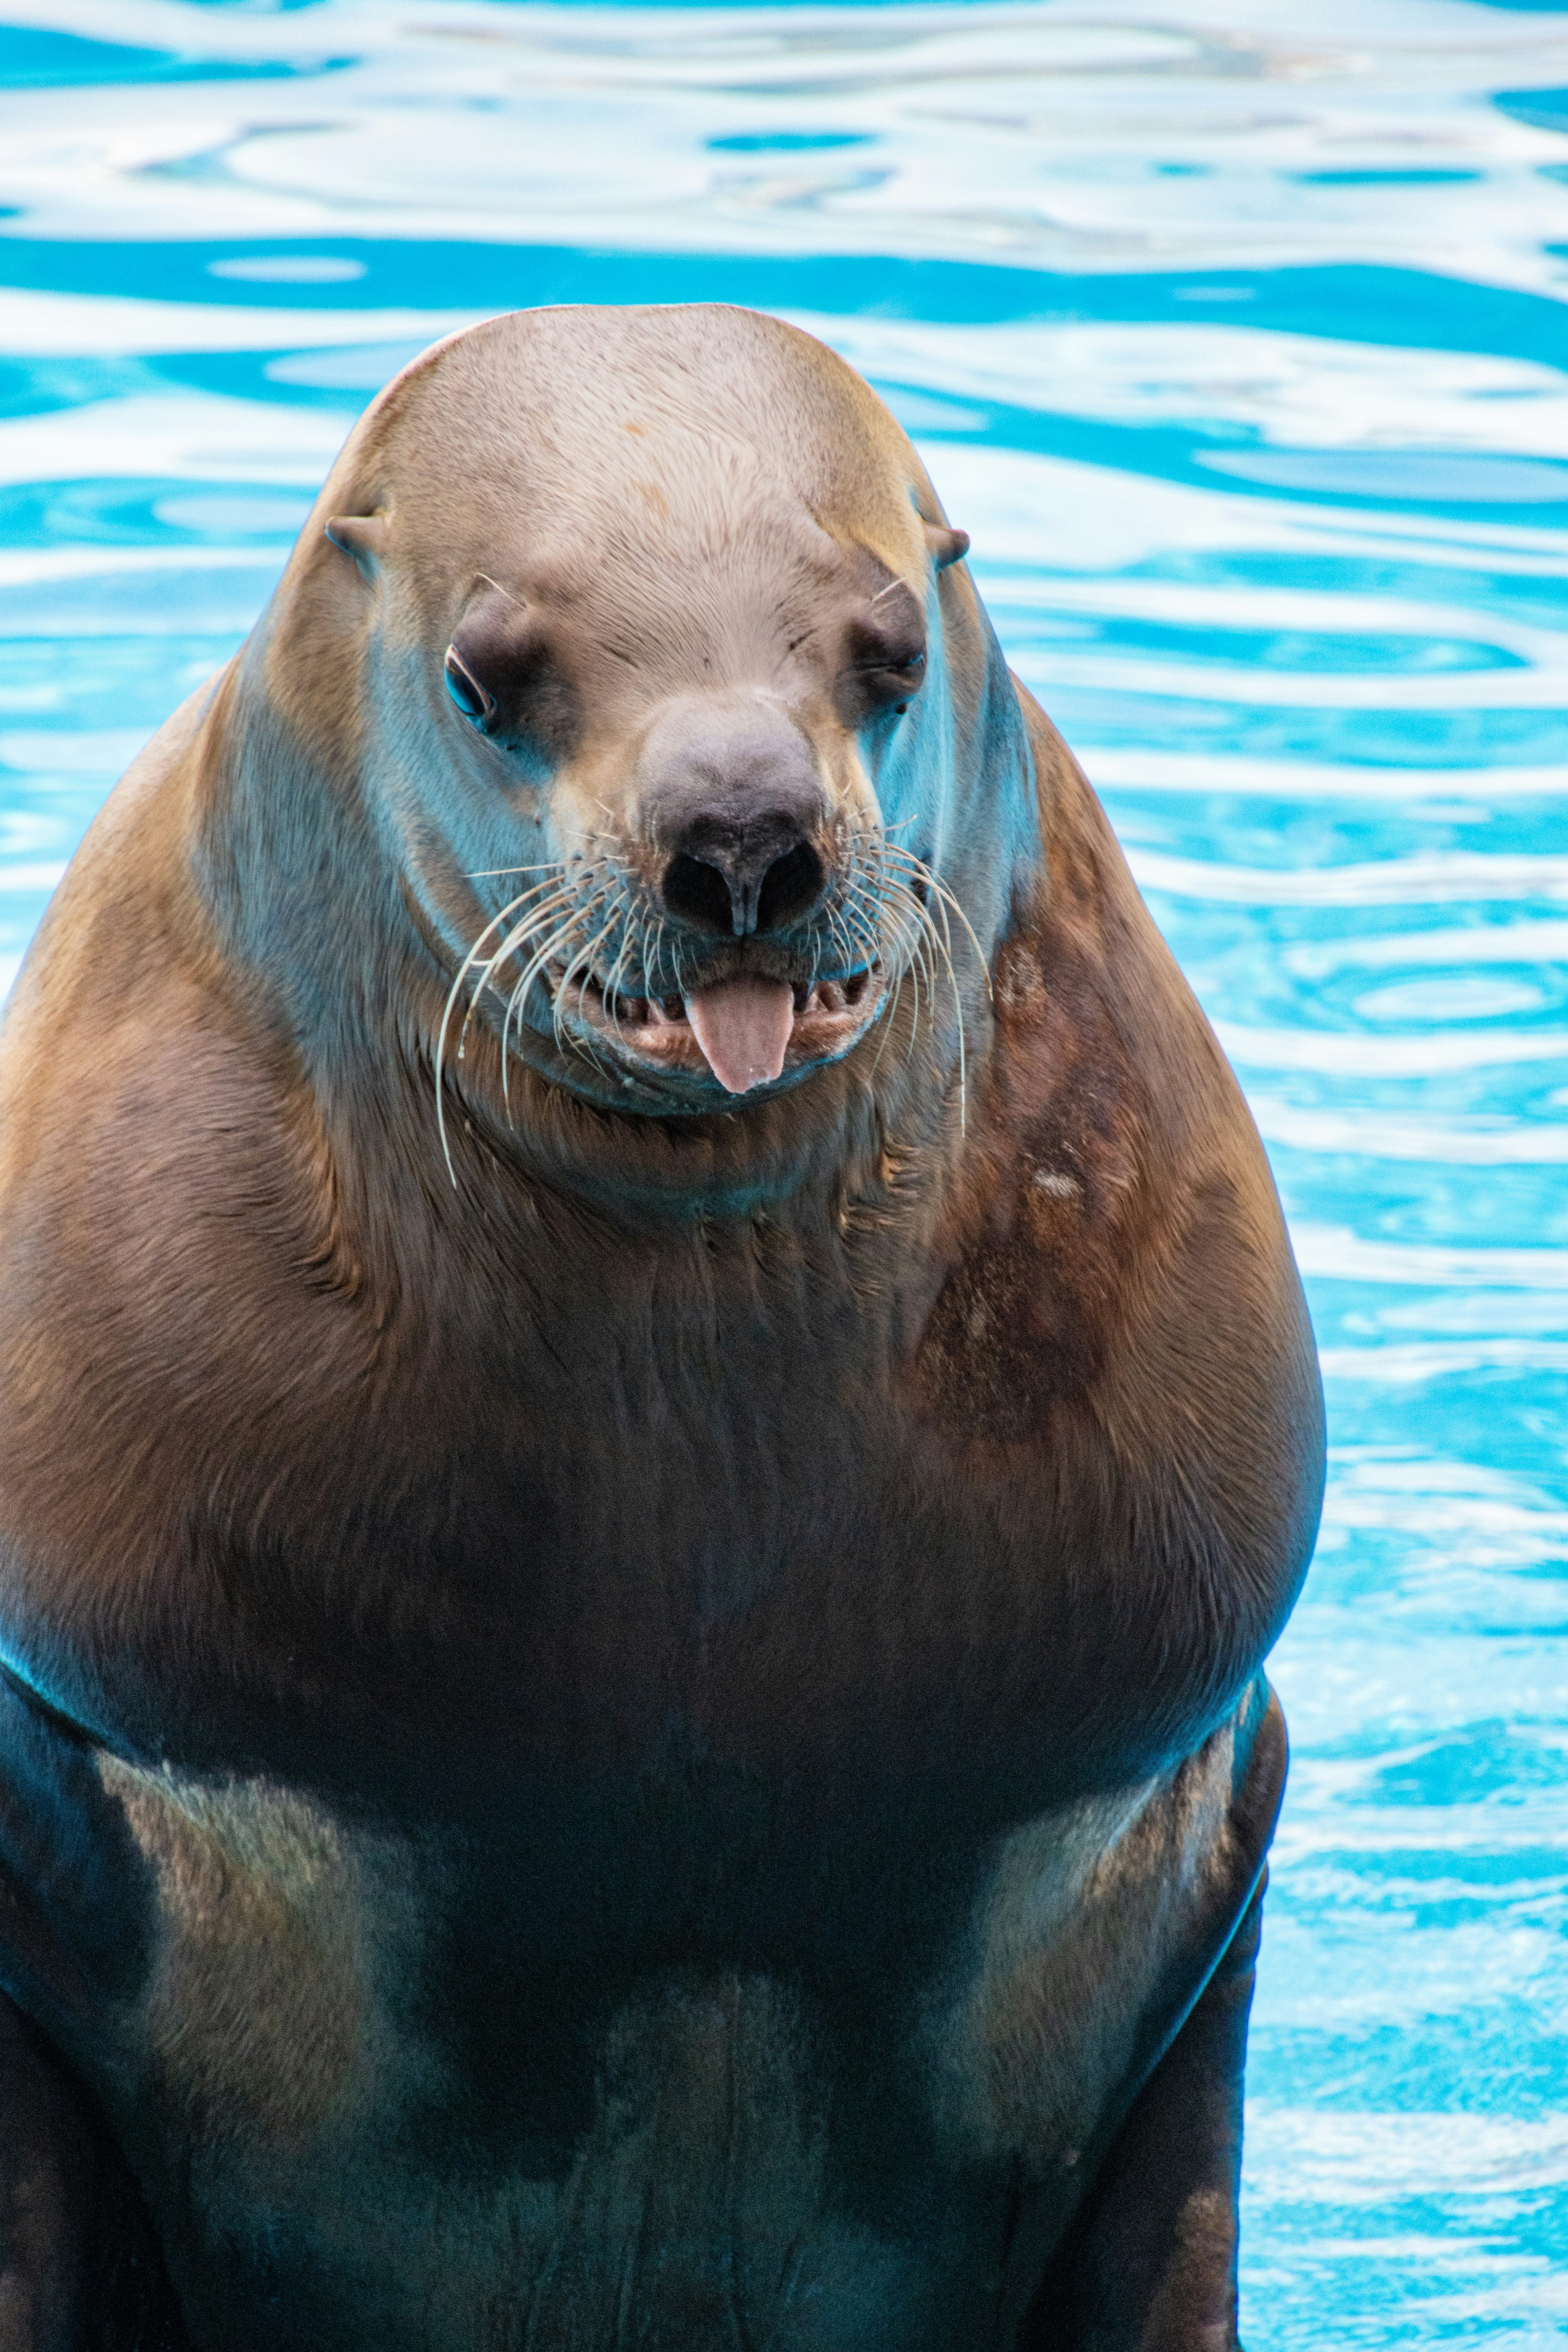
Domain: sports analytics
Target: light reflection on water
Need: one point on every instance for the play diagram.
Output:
(1239, 348)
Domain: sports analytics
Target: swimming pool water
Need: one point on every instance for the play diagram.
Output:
(1235, 333)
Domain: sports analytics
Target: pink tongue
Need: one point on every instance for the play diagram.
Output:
(742, 1025)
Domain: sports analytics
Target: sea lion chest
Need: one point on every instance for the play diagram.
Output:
(625, 1850)
(690, 1513)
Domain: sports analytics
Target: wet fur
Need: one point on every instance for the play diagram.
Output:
(661, 1743)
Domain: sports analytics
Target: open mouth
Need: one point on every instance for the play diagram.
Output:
(744, 1031)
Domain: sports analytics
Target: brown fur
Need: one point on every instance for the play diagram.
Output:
(711, 1602)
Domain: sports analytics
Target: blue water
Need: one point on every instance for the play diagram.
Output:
(1238, 342)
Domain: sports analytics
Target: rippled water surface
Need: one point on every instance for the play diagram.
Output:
(1236, 335)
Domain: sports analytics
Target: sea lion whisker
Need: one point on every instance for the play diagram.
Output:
(887, 938)
(918, 960)
(463, 969)
(625, 912)
(650, 958)
(878, 832)
(854, 917)
(903, 967)
(942, 945)
(522, 930)
(866, 895)
(868, 938)
(562, 883)
(860, 887)
(928, 946)
(907, 920)
(840, 936)
(570, 893)
(915, 913)
(636, 925)
(489, 873)
(581, 969)
(511, 908)
(525, 981)
(581, 910)
(492, 582)
(517, 938)
(931, 943)
(888, 1017)
(863, 932)
(541, 958)
(867, 914)
(651, 971)
(948, 899)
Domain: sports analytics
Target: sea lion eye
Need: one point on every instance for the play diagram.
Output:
(466, 691)
(884, 647)
(914, 670)
(890, 674)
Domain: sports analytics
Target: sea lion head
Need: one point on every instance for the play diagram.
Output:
(666, 686)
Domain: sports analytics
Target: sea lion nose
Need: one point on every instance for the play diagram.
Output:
(732, 798)
(743, 875)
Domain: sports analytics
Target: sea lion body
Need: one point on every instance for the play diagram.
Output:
(634, 1717)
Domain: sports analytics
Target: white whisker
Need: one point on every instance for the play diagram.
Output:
(463, 969)
(519, 994)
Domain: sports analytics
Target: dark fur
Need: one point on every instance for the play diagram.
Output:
(660, 1744)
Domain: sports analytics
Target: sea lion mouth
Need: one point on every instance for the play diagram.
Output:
(746, 1030)
(746, 1014)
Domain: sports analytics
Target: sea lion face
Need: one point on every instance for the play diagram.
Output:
(716, 912)
(673, 656)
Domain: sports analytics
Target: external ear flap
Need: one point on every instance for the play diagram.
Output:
(946, 546)
(361, 536)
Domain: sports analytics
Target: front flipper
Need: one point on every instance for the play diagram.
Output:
(1150, 2262)
(80, 2270)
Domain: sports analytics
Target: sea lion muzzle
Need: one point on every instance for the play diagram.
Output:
(733, 793)
(733, 800)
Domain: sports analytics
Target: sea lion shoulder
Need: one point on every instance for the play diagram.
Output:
(1116, 1265)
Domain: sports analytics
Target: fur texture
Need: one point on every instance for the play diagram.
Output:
(632, 1716)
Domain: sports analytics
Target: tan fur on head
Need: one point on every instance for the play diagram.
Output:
(605, 525)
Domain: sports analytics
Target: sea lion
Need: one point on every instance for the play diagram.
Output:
(654, 1417)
